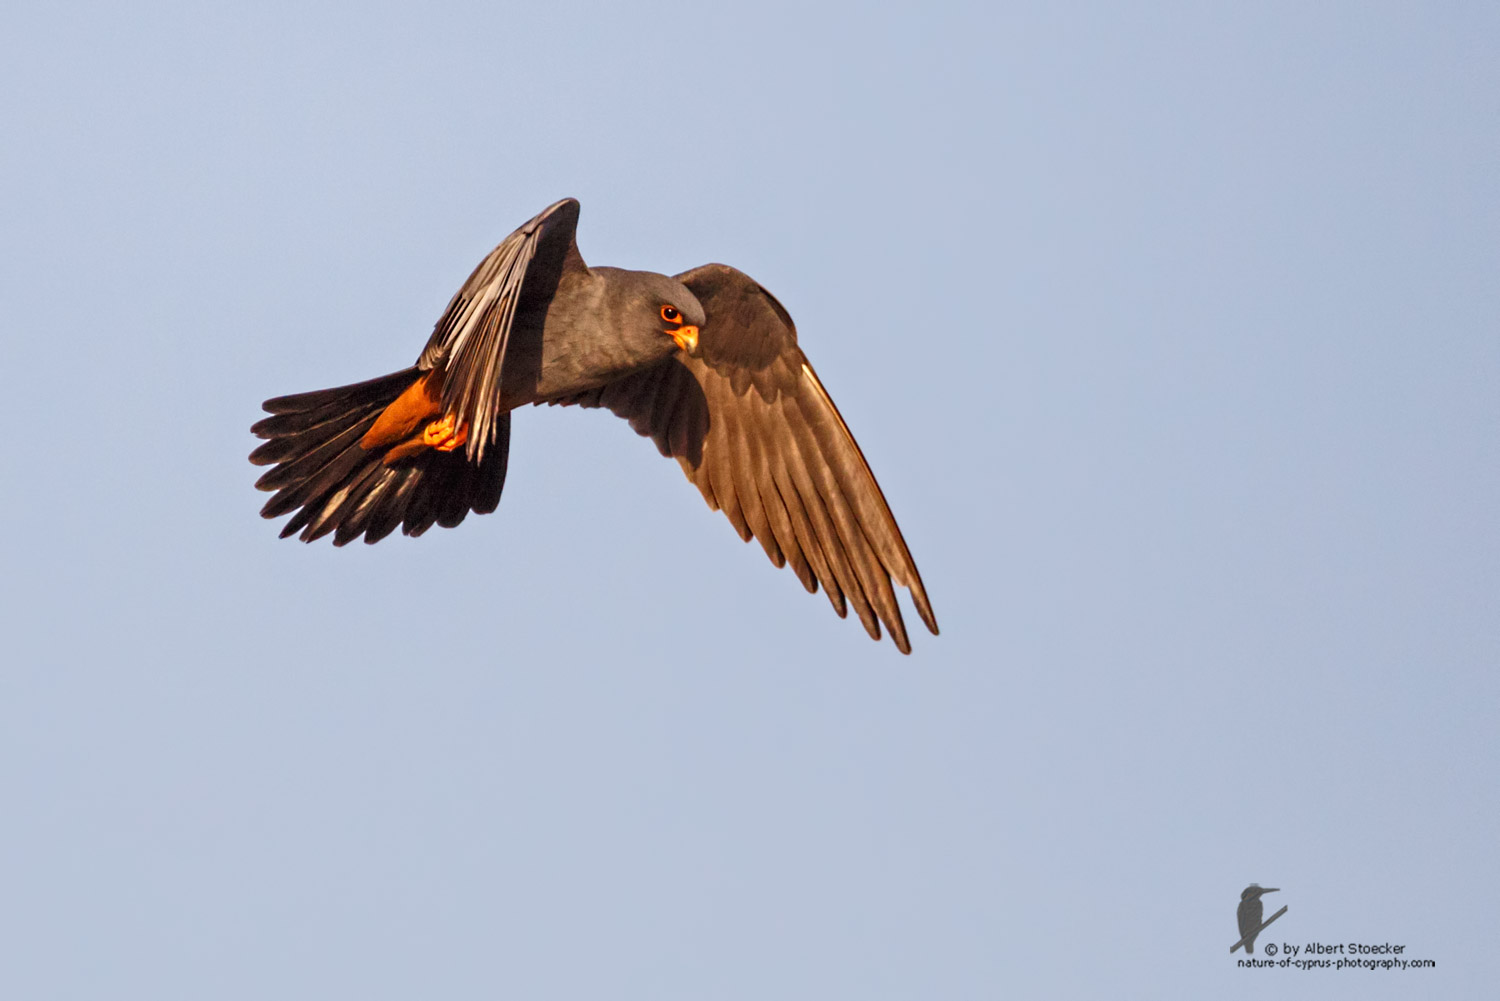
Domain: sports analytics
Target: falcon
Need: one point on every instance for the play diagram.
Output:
(705, 364)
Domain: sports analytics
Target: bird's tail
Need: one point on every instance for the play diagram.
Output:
(347, 461)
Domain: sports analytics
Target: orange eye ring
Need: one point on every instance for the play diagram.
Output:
(670, 314)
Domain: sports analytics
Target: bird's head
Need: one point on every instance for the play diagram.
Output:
(1254, 890)
(659, 309)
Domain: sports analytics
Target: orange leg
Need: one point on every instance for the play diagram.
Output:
(421, 402)
(409, 447)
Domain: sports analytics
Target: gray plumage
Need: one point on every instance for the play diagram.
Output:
(736, 403)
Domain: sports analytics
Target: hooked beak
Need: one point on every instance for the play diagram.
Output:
(686, 337)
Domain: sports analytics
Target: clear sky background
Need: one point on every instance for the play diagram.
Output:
(1170, 332)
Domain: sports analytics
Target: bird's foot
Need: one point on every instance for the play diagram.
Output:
(445, 435)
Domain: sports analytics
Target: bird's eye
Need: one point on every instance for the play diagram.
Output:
(670, 314)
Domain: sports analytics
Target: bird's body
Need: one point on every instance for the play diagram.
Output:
(706, 364)
(1250, 913)
(554, 350)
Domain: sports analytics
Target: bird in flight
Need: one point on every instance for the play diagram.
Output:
(704, 363)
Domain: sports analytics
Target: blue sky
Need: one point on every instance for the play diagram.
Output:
(1170, 334)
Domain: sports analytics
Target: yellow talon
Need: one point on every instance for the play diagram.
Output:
(442, 436)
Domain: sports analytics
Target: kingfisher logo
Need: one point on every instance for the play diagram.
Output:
(1249, 914)
(1280, 954)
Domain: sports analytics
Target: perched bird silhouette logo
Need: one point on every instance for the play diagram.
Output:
(1249, 915)
(705, 363)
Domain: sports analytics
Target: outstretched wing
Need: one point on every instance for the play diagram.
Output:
(469, 341)
(755, 430)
